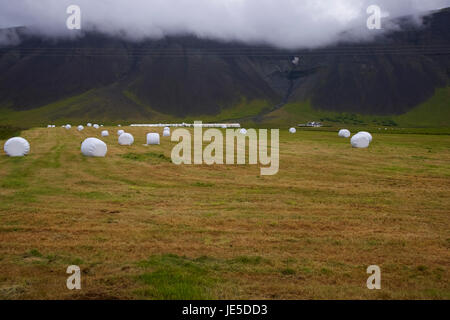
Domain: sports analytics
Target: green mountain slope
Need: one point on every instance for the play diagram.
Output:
(435, 112)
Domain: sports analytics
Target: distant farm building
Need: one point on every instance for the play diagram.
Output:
(312, 124)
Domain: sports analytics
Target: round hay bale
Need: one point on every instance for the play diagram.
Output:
(105, 133)
(344, 133)
(126, 139)
(360, 141)
(93, 147)
(153, 138)
(16, 147)
(368, 135)
(292, 130)
(166, 133)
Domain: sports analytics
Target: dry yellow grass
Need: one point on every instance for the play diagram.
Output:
(141, 227)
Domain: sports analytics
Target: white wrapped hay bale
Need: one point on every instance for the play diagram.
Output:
(105, 133)
(119, 132)
(344, 133)
(96, 126)
(243, 131)
(166, 133)
(292, 130)
(80, 128)
(126, 139)
(68, 126)
(153, 138)
(89, 124)
(16, 147)
(93, 147)
(360, 141)
(368, 135)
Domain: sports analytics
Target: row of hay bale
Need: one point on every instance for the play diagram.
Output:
(79, 128)
(93, 147)
(360, 140)
(188, 125)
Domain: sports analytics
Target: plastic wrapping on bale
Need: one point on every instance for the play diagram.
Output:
(344, 133)
(126, 139)
(153, 138)
(96, 126)
(119, 132)
(16, 147)
(292, 130)
(68, 126)
(360, 141)
(80, 128)
(89, 124)
(166, 133)
(105, 133)
(93, 147)
(368, 135)
(243, 131)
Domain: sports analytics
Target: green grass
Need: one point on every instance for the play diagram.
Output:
(176, 278)
(7, 132)
(241, 110)
(151, 157)
(433, 113)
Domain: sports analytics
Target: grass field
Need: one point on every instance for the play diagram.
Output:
(142, 228)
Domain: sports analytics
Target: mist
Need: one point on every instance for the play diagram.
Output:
(281, 23)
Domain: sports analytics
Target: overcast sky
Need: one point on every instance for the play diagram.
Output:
(284, 23)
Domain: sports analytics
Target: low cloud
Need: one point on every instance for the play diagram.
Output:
(282, 23)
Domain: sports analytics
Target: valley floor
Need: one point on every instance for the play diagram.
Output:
(141, 227)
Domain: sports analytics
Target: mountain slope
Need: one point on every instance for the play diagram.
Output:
(111, 79)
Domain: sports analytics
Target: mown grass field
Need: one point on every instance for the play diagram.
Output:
(142, 228)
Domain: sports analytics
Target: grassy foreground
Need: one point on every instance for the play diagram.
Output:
(141, 227)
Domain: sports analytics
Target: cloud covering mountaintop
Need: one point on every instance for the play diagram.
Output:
(282, 23)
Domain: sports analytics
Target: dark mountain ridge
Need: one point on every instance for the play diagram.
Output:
(185, 75)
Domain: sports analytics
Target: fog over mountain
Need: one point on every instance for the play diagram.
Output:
(282, 23)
